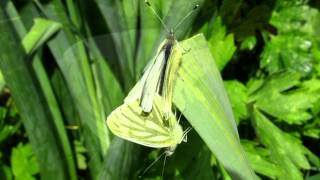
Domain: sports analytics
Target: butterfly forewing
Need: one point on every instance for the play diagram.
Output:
(151, 84)
(137, 91)
(170, 77)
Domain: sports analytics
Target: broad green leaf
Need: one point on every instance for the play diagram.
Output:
(286, 151)
(200, 95)
(292, 48)
(259, 159)
(291, 106)
(287, 52)
(24, 163)
(237, 93)
(40, 32)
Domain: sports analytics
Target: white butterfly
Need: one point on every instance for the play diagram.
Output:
(130, 122)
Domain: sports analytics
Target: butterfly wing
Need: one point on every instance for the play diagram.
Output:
(129, 122)
(136, 92)
(170, 77)
(151, 84)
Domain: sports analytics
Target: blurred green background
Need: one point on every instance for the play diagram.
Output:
(66, 64)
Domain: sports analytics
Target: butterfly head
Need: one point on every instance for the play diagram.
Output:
(171, 35)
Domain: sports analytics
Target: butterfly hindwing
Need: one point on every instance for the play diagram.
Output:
(130, 123)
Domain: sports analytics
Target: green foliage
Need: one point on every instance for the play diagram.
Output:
(2, 82)
(221, 45)
(291, 48)
(238, 95)
(39, 34)
(24, 163)
(66, 65)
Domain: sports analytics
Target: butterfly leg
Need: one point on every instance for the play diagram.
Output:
(185, 137)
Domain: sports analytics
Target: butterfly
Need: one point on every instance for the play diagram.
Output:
(160, 75)
(130, 122)
(146, 116)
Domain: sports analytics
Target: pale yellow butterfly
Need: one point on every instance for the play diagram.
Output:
(130, 122)
(160, 75)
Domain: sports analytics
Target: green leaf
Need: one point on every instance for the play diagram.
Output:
(34, 99)
(192, 159)
(286, 151)
(221, 45)
(71, 56)
(291, 106)
(237, 93)
(8, 130)
(298, 19)
(2, 82)
(313, 177)
(24, 163)
(248, 43)
(121, 160)
(288, 52)
(204, 102)
(5, 171)
(292, 48)
(116, 14)
(80, 153)
(40, 32)
(259, 159)
(312, 132)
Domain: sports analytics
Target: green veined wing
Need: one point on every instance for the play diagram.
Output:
(129, 122)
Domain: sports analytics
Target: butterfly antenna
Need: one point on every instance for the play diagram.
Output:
(157, 15)
(140, 176)
(185, 17)
(164, 164)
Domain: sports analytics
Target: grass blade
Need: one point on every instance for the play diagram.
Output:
(32, 105)
(40, 32)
